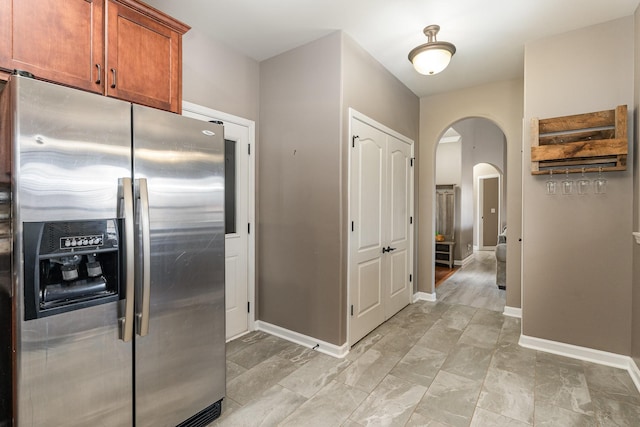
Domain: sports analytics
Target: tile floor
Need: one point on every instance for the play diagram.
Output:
(447, 363)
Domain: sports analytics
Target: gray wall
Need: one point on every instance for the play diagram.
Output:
(304, 99)
(217, 77)
(577, 265)
(299, 270)
(500, 102)
(369, 88)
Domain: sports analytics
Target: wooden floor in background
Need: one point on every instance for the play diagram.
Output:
(443, 273)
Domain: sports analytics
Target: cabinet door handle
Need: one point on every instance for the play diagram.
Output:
(113, 83)
(99, 80)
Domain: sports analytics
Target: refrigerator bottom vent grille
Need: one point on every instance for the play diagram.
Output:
(204, 417)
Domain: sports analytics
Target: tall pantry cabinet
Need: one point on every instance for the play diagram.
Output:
(119, 48)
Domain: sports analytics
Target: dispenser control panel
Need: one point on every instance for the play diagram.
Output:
(70, 265)
(81, 241)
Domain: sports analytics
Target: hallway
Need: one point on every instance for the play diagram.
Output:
(474, 284)
(455, 362)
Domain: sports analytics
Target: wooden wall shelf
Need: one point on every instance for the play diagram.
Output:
(592, 141)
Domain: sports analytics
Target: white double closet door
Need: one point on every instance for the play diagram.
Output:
(381, 233)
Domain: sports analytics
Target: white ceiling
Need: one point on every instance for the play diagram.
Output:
(489, 34)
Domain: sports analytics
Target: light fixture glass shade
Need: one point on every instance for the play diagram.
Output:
(433, 56)
(431, 61)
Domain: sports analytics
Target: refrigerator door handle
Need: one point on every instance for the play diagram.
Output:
(143, 316)
(126, 322)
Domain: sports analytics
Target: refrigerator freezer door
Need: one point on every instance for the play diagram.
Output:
(180, 362)
(70, 148)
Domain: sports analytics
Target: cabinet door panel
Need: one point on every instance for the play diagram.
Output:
(143, 59)
(61, 44)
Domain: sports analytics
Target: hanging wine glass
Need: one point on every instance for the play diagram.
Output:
(600, 183)
(583, 184)
(567, 184)
(551, 184)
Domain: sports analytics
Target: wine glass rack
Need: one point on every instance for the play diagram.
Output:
(589, 142)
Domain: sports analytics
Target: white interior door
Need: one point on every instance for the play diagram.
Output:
(239, 196)
(366, 275)
(380, 239)
(398, 228)
(236, 231)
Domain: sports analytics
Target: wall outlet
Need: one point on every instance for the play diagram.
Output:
(468, 247)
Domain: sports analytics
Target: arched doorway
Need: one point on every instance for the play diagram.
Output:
(471, 159)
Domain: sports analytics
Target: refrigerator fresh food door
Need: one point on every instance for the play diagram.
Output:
(179, 191)
(69, 150)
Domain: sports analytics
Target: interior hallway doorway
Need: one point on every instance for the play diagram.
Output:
(471, 159)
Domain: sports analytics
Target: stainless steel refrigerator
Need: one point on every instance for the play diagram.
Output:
(117, 282)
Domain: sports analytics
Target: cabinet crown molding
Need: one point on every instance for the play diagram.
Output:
(155, 14)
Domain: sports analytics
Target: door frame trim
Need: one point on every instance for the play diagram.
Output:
(354, 114)
(251, 197)
(480, 205)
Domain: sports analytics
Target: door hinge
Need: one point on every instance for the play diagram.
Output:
(352, 226)
(352, 309)
(248, 306)
(249, 149)
(412, 161)
(353, 140)
(410, 220)
(411, 277)
(249, 228)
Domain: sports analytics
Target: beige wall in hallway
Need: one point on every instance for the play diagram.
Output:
(577, 264)
(501, 103)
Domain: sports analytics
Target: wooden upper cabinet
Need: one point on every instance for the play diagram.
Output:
(5, 37)
(58, 41)
(119, 48)
(144, 55)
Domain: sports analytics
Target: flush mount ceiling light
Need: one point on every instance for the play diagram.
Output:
(433, 56)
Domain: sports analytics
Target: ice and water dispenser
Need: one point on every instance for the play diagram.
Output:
(70, 265)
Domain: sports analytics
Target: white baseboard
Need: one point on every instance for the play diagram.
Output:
(584, 353)
(513, 312)
(304, 340)
(634, 371)
(463, 262)
(235, 337)
(423, 296)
